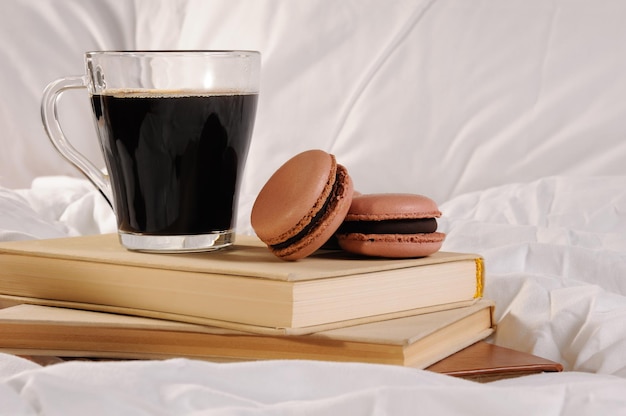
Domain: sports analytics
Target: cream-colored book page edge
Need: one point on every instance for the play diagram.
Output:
(427, 347)
(247, 257)
(438, 354)
(29, 314)
(450, 339)
(93, 355)
(409, 329)
(253, 329)
(371, 294)
(229, 298)
(455, 336)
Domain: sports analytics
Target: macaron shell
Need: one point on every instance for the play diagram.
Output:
(327, 227)
(293, 195)
(373, 207)
(392, 245)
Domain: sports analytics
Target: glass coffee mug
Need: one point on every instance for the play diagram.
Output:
(174, 128)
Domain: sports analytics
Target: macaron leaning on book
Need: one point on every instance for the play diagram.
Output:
(311, 199)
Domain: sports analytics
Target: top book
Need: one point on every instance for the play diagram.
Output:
(243, 287)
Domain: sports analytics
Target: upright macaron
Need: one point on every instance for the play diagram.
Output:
(391, 225)
(302, 204)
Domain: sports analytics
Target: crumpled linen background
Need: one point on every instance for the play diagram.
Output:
(555, 255)
(555, 252)
(184, 387)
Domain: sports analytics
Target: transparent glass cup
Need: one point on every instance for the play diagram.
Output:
(174, 128)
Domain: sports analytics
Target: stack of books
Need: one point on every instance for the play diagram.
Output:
(90, 297)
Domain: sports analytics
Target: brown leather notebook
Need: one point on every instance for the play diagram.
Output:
(484, 362)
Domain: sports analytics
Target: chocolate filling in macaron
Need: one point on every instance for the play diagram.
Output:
(402, 226)
(391, 225)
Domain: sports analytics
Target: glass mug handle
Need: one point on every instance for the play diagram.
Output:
(58, 139)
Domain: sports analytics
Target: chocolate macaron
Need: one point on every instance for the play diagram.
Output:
(302, 204)
(391, 225)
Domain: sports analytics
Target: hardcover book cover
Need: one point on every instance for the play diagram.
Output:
(416, 341)
(243, 287)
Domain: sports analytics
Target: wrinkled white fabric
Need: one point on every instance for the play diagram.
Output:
(52, 207)
(184, 387)
(555, 255)
(19, 220)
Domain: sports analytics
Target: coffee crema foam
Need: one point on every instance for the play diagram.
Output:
(173, 93)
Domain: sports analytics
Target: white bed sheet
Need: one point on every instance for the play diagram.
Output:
(555, 252)
(184, 387)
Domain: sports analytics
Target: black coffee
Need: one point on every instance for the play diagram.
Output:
(175, 161)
